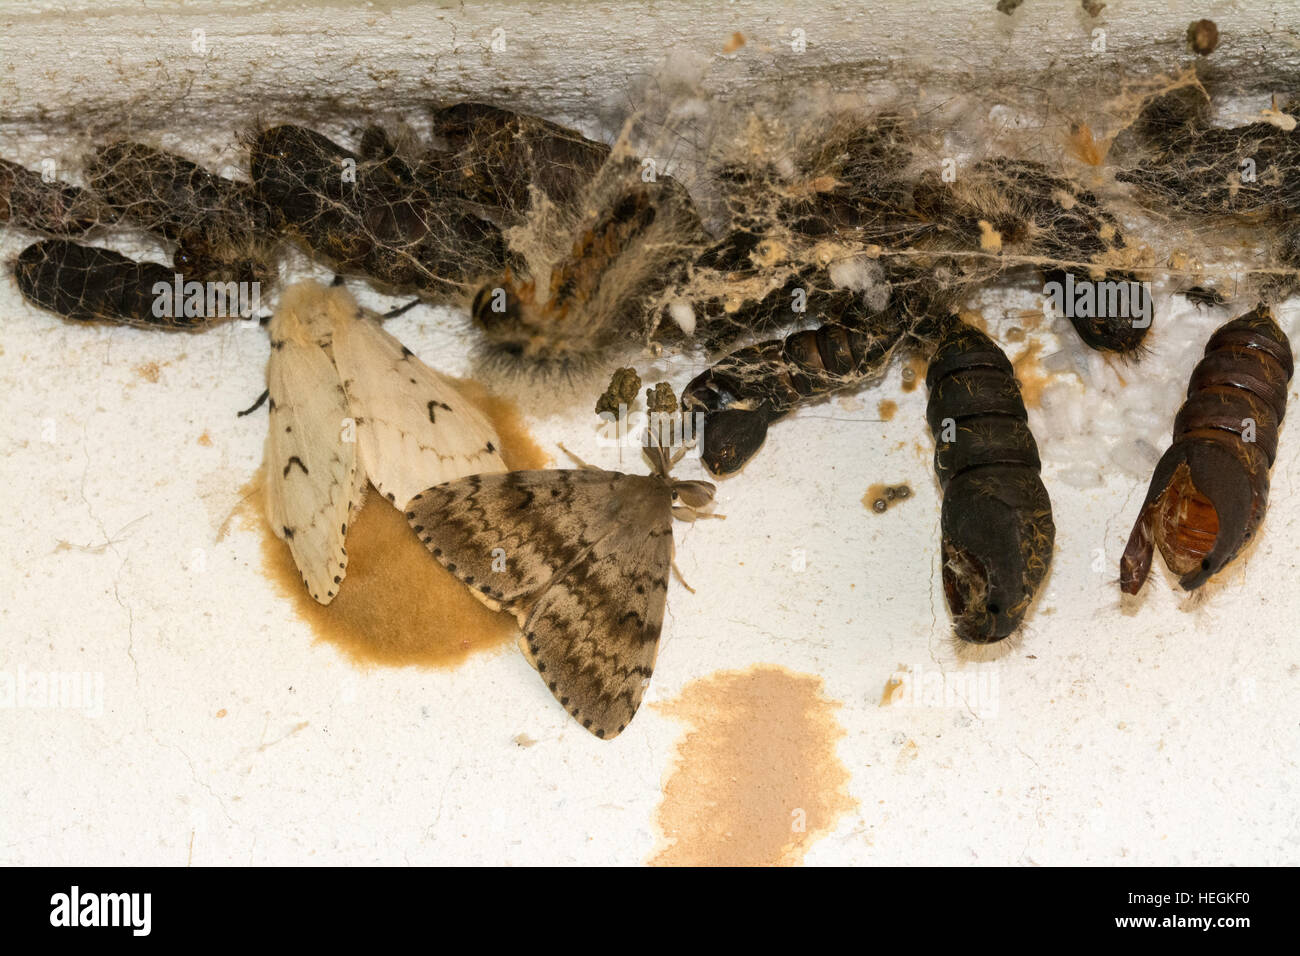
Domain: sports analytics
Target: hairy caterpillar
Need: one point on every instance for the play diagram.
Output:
(997, 518)
(1209, 491)
(595, 289)
(349, 403)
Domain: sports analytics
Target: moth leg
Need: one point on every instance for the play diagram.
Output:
(394, 313)
(256, 405)
(678, 571)
(580, 463)
(687, 513)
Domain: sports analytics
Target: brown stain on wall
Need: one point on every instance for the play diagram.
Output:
(887, 409)
(756, 781)
(1031, 375)
(914, 370)
(880, 491)
(397, 605)
(892, 692)
(148, 371)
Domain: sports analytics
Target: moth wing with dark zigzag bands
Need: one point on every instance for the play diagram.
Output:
(313, 480)
(414, 427)
(582, 559)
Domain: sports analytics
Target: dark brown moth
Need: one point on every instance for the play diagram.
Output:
(581, 557)
(996, 521)
(1210, 489)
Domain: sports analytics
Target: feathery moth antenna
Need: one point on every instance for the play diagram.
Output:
(997, 518)
(29, 201)
(1209, 492)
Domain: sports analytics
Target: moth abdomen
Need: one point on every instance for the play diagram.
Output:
(92, 284)
(1209, 491)
(996, 519)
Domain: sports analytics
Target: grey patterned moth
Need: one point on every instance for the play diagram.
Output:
(587, 554)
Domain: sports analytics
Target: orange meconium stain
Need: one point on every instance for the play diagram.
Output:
(756, 780)
(397, 605)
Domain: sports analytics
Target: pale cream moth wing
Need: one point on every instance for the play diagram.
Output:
(313, 483)
(414, 428)
(581, 557)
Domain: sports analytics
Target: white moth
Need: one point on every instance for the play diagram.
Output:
(349, 403)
